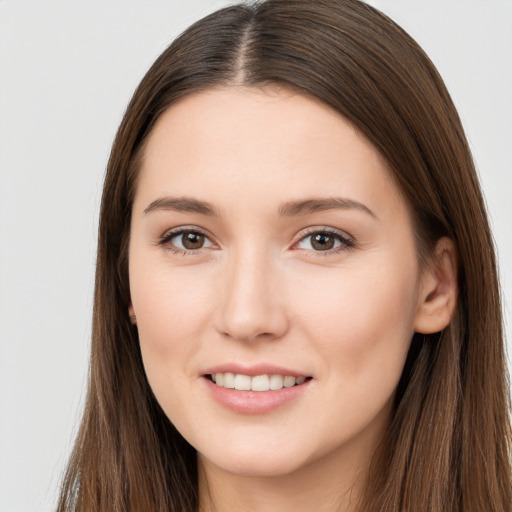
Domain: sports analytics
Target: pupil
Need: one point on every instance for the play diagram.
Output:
(193, 240)
(323, 242)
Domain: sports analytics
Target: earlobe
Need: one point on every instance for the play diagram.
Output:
(438, 291)
(131, 313)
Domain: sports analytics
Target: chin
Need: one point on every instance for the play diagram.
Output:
(254, 460)
(261, 465)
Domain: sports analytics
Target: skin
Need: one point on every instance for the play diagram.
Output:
(258, 291)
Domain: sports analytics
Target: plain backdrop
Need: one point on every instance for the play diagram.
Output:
(67, 71)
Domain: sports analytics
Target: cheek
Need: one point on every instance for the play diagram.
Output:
(361, 324)
(170, 310)
(361, 318)
(171, 306)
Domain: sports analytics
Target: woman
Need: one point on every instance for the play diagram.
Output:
(296, 299)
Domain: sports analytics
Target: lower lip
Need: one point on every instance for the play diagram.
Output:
(254, 402)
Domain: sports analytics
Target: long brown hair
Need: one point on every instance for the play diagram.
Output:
(448, 446)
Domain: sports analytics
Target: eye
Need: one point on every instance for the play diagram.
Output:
(325, 241)
(185, 240)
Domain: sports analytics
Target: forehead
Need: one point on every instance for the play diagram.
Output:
(240, 143)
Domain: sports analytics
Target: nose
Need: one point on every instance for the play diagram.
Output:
(251, 302)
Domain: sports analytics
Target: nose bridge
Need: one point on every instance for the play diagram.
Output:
(249, 303)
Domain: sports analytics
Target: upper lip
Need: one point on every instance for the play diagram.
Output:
(255, 369)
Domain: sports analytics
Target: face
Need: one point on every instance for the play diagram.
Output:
(271, 251)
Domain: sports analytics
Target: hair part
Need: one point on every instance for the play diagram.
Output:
(448, 446)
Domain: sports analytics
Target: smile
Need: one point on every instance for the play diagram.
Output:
(264, 382)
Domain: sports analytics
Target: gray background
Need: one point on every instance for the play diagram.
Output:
(67, 70)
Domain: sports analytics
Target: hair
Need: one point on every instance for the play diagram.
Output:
(448, 445)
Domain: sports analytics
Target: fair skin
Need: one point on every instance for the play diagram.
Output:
(302, 263)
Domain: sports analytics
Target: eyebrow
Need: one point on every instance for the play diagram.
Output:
(304, 207)
(183, 204)
(289, 209)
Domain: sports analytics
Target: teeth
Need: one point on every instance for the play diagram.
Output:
(288, 382)
(257, 383)
(242, 382)
(229, 380)
(260, 383)
(276, 382)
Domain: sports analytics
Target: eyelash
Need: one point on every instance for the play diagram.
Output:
(346, 242)
(165, 240)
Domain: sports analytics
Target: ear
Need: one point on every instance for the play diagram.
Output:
(131, 312)
(438, 290)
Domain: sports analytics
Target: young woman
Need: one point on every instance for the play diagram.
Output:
(296, 301)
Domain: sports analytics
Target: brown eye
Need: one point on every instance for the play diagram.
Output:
(191, 240)
(322, 242)
(325, 241)
(186, 241)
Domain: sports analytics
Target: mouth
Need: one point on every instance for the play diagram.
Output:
(264, 382)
